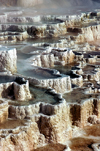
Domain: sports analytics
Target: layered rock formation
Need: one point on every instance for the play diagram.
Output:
(53, 57)
(66, 67)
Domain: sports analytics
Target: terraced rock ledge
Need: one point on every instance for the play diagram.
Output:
(50, 82)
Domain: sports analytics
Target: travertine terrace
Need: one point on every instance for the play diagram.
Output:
(49, 81)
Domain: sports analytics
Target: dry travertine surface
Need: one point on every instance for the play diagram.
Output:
(74, 122)
(52, 147)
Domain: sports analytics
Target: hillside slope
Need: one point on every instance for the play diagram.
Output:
(57, 2)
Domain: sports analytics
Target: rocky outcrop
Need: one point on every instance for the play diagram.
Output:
(43, 31)
(59, 82)
(14, 88)
(92, 31)
(22, 112)
(21, 89)
(20, 138)
(8, 58)
(60, 85)
(45, 60)
(54, 57)
(55, 125)
(77, 80)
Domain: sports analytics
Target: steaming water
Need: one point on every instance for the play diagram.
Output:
(48, 6)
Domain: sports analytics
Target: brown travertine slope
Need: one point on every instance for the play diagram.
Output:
(52, 147)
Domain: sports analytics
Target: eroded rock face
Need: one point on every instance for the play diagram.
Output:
(21, 89)
(3, 111)
(19, 137)
(60, 85)
(54, 57)
(14, 87)
(45, 60)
